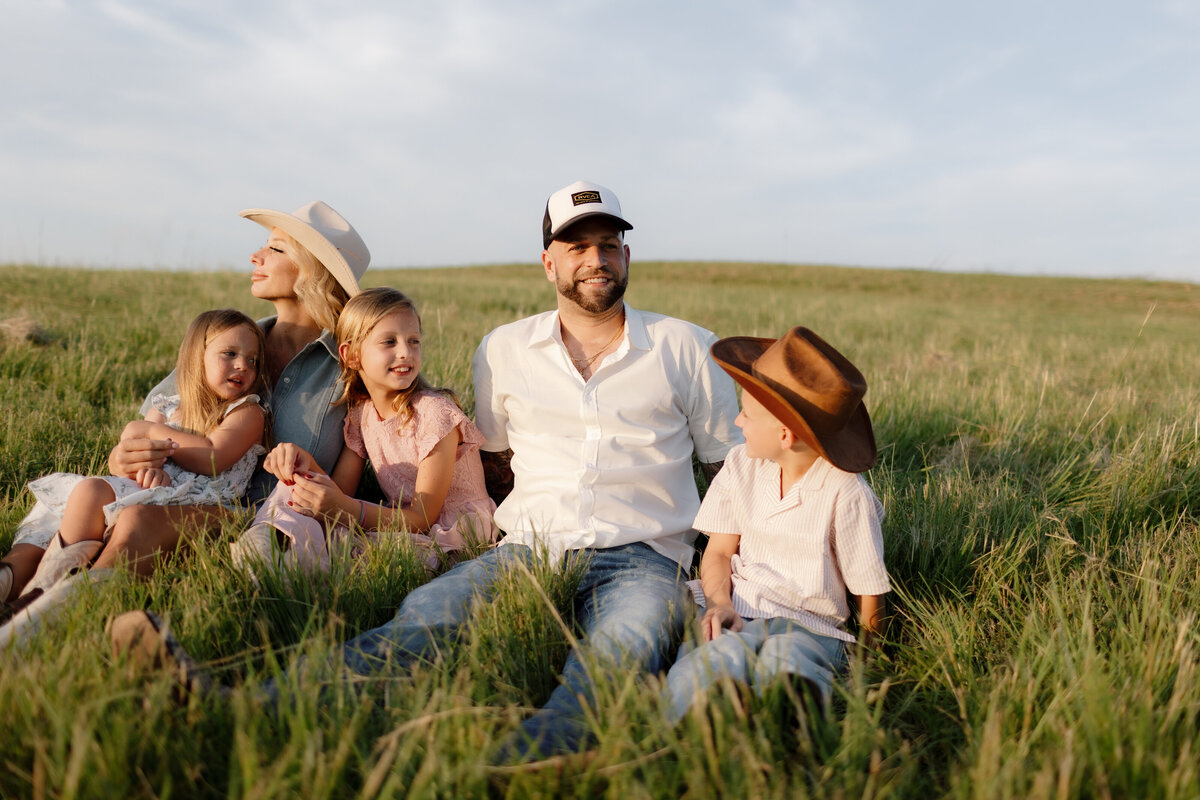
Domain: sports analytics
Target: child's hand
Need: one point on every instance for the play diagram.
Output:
(287, 460)
(150, 477)
(314, 494)
(717, 618)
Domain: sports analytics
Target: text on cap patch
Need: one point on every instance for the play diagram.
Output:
(579, 198)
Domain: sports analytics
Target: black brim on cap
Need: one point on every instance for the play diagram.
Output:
(549, 236)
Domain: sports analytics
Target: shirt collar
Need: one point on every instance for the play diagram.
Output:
(811, 482)
(814, 479)
(326, 338)
(548, 331)
(635, 324)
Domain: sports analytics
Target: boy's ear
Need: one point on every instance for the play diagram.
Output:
(787, 437)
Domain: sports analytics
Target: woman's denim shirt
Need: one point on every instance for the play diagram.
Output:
(301, 403)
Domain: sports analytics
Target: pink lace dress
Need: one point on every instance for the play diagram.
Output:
(396, 450)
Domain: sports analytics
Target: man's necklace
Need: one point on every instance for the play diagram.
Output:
(583, 363)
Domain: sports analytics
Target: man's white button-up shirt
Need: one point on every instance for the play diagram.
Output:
(607, 461)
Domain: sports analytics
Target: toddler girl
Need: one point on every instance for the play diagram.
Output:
(217, 425)
(424, 449)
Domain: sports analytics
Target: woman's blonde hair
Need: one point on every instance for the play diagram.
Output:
(360, 316)
(200, 408)
(316, 288)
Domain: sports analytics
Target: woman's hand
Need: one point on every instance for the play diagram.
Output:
(150, 477)
(314, 494)
(717, 618)
(287, 460)
(131, 455)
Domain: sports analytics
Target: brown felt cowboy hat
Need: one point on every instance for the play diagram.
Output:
(810, 387)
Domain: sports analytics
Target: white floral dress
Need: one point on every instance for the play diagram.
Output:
(186, 489)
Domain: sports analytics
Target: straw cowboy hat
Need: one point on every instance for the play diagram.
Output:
(326, 234)
(810, 387)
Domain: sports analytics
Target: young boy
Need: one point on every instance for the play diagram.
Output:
(791, 525)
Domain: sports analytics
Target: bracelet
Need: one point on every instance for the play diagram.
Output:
(362, 512)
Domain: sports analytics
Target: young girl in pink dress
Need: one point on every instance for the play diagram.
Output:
(424, 449)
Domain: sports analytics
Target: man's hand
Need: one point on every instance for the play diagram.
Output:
(717, 619)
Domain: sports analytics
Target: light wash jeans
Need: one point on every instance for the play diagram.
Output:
(760, 652)
(631, 606)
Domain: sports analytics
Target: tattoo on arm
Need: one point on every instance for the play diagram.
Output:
(497, 474)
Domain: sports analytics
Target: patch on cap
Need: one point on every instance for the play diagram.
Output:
(579, 198)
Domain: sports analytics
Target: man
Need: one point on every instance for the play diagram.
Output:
(600, 408)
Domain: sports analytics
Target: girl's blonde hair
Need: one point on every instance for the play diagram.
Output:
(200, 408)
(316, 288)
(360, 316)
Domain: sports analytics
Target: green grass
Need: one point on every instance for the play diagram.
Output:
(1039, 461)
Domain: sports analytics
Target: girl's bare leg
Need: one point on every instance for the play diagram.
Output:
(142, 532)
(83, 518)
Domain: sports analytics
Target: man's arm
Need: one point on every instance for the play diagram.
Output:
(709, 471)
(711, 408)
(497, 474)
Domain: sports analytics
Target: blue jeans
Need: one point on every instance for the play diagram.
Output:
(631, 605)
(760, 652)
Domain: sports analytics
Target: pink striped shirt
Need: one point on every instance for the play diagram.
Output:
(799, 554)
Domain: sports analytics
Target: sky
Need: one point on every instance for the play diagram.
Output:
(1025, 137)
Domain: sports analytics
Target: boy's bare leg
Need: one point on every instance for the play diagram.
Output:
(142, 532)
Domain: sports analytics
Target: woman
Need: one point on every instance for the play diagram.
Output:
(308, 269)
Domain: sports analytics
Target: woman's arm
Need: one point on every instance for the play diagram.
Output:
(221, 449)
(138, 452)
(716, 578)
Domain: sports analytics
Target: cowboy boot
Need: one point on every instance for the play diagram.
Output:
(61, 558)
(146, 642)
(25, 614)
(255, 550)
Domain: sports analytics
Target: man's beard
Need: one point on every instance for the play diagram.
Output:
(595, 303)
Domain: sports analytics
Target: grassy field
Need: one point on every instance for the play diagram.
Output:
(1039, 460)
